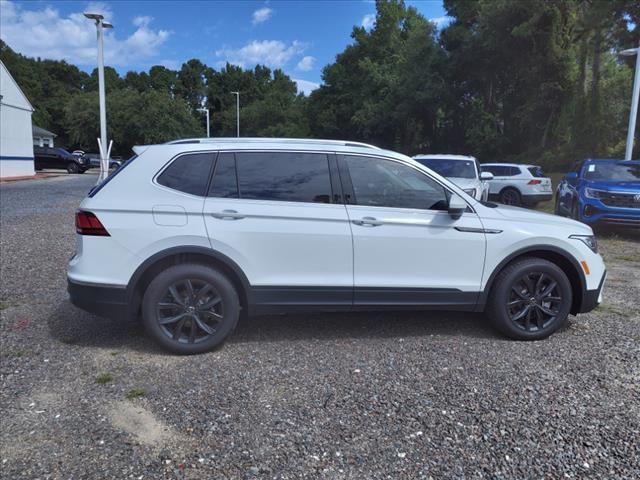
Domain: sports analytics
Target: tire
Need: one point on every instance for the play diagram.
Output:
(520, 315)
(574, 211)
(186, 334)
(72, 167)
(510, 196)
(556, 208)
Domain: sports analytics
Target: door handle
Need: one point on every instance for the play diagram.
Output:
(368, 222)
(228, 215)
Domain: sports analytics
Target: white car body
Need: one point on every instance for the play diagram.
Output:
(285, 255)
(476, 187)
(511, 176)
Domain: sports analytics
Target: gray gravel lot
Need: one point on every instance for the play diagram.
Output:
(411, 395)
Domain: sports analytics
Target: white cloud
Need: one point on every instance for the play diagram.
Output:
(262, 15)
(440, 22)
(306, 63)
(368, 21)
(305, 86)
(45, 33)
(272, 53)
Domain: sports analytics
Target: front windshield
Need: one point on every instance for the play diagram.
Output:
(618, 172)
(450, 168)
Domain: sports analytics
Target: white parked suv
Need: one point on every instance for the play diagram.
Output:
(514, 184)
(192, 233)
(462, 170)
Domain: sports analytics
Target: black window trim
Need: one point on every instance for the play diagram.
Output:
(347, 184)
(154, 180)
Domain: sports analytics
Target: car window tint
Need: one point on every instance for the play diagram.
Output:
(536, 172)
(224, 183)
(188, 173)
(514, 171)
(384, 183)
(284, 176)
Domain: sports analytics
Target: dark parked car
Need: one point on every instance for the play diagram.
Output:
(56, 157)
(94, 161)
(601, 192)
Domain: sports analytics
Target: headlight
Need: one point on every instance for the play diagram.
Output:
(589, 240)
(471, 191)
(593, 193)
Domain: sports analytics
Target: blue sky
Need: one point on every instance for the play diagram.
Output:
(298, 36)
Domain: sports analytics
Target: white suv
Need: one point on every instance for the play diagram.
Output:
(514, 184)
(462, 170)
(192, 233)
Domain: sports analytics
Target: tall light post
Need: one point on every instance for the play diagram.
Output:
(104, 151)
(237, 94)
(633, 115)
(206, 111)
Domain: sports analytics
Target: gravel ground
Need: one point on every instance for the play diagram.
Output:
(411, 395)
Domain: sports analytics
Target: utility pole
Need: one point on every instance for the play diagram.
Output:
(237, 94)
(633, 114)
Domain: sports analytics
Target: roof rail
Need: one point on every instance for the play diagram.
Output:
(310, 141)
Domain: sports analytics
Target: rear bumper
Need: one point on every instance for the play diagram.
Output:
(537, 197)
(101, 300)
(592, 298)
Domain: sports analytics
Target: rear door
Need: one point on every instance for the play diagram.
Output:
(279, 215)
(407, 248)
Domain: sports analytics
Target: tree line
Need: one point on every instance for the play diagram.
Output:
(536, 81)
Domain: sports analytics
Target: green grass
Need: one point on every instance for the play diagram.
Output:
(629, 258)
(69, 339)
(4, 305)
(606, 308)
(16, 354)
(104, 378)
(136, 393)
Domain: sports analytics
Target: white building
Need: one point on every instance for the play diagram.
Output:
(16, 141)
(42, 137)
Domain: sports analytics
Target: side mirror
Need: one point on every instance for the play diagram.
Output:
(457, 206)
(486, 176)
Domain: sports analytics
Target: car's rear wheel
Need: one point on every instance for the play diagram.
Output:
(510, 196)
(530, 299)
(72, 167)
(190, 308)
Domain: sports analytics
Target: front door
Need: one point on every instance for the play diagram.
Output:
(407, 248)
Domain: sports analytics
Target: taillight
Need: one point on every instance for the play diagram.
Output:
(88, 224)
(534, 182)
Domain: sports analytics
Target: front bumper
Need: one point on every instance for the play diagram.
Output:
(594, 212)
(592, 298)
(101, 300)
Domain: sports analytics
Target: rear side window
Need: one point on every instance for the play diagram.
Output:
(284, 176)
(188, 173)
(514, 171)
(224, 183)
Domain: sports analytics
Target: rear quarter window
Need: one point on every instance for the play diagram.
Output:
(188, 173)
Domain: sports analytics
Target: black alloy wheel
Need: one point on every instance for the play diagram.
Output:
(510, 196)
(534, 302)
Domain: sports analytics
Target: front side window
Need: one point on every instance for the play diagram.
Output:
(385, 183)
(188, 173)
(284, 176)
(450, 168)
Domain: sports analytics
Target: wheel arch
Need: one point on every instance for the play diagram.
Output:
(558, 256)
(158, 262)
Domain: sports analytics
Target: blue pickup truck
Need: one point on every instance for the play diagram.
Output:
(601, 193)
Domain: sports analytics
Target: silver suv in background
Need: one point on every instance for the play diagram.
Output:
(514, 184)
(462, 170)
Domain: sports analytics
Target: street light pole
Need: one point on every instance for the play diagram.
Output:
(104, 153)
(206, 111)
(633, 114)
(237, 94)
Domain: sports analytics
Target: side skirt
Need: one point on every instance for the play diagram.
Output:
(268, 299)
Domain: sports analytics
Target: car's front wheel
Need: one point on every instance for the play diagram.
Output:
(72, 167)
(190, 308)
(530, 299)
